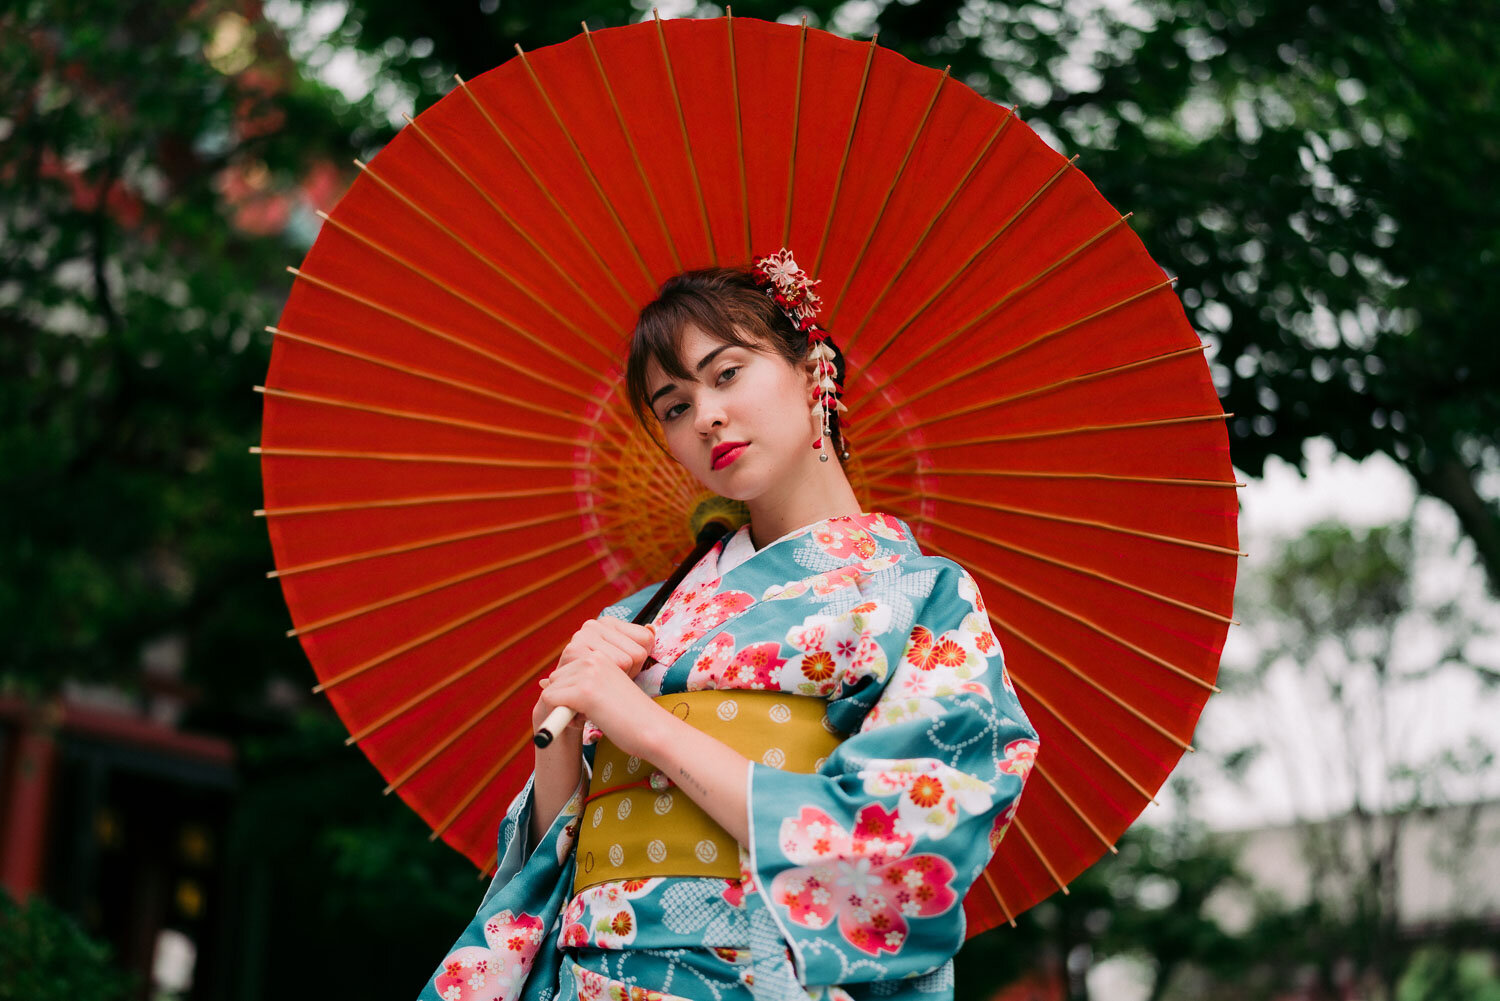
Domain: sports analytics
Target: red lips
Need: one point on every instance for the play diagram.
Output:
(723, 449)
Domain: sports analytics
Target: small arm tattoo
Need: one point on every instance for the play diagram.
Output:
(699, 785)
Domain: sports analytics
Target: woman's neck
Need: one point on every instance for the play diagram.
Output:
(817, 492)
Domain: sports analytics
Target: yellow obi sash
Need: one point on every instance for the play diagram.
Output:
(634, 825)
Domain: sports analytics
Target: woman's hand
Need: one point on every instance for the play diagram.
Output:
(595, 678)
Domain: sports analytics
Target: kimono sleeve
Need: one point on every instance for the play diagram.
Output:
(500, 956)
(864, 863)
(502, 945)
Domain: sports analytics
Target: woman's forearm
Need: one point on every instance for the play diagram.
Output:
(712, 773)
(558, 770)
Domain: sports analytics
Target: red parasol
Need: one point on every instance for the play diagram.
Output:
(453, 480)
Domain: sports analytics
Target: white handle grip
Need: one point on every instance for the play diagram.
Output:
(553, 725)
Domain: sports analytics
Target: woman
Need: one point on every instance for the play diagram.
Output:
(855, 750)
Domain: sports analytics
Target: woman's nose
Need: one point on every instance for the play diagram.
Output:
(709, 416)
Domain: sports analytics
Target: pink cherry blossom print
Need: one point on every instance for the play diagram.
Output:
(864, 881)
(721, 666)
(690, 612)
(611, 922)
(1020, 755)
(496, 970)
(843, 538)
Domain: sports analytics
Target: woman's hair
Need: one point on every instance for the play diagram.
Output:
(729, 306)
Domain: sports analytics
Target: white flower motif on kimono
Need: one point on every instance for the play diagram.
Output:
(931, 793)
(721, 666)
(863, 880)
(969, 591)
(836, 649)
(494, 971)
(1020, 755)
(833, 580)
(611, 922)
(931, 667)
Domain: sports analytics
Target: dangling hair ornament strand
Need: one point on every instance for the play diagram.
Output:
(792, 290)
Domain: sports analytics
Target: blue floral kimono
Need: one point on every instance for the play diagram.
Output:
(852, 886)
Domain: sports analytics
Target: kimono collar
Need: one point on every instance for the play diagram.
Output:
(858, 534)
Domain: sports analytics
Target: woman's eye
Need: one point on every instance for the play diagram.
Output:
(672, 411)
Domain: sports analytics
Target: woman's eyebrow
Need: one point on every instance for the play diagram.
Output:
(701, 363)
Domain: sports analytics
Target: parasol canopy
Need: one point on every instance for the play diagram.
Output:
(453, 480)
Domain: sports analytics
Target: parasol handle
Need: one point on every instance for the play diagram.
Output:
(708, 535)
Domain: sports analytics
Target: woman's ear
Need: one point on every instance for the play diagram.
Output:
(810, 378)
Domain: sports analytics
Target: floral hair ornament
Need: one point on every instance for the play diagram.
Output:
(792, 290)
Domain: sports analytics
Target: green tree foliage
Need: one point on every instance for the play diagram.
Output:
(131, 308)
(43, 953)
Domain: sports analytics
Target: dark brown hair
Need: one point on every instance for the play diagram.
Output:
(729, 306)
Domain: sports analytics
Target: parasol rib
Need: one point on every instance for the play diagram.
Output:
(426, 328)
(588, 171)
(1048, 474)
(396, 366)
(466, 460)
(454, 677)
(838, 177)
(587, 244)
(889, 191)
(1107, 526)
(489, 707)
(964, 266)
(997, 305)
(990, 882)
(531, 242)
(458, 578)
(458, 294)
(1034, 391)
(1026, 836)
(484, 259)
(960, 374)
(791, 161)
(1063, 795)
(916, 244)
(640, 170)
(385, 656)
(414, 415)
(1090, 624)
(928, 446)
(739, 130)
(687, 144)
(473, 794)
(369, 554)
(1072, 669)
(1077, 568)
(280, 512)
(1078, 734)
